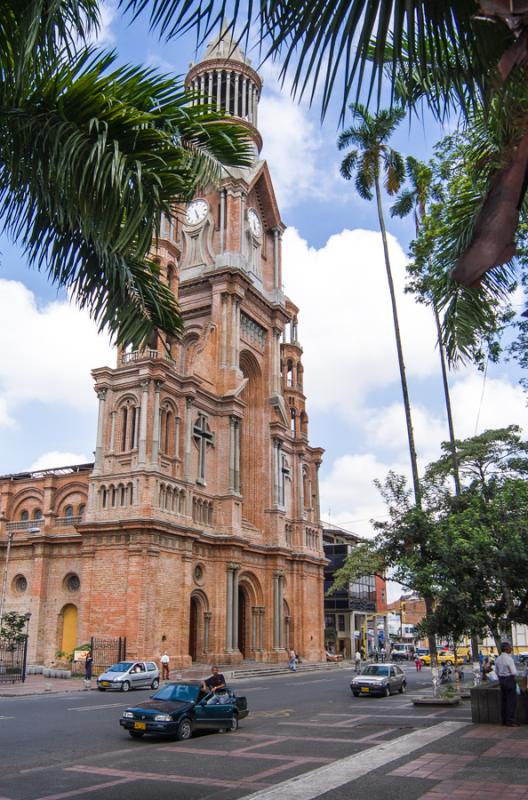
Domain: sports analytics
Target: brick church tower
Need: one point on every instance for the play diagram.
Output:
(201, 532)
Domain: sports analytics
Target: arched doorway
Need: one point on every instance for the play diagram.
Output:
(193, 628)
(68, 635)
(199, 627)
(244, 640)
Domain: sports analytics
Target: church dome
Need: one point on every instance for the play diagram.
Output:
(224, 77)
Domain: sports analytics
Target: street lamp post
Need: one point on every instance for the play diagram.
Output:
(10, 535)
(27, 617)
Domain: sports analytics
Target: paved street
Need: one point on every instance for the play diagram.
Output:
(71, 745)
(306, 738)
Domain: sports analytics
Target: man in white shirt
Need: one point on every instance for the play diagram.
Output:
(165, 661)
(506, 673)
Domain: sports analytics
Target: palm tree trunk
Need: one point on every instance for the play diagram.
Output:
(399, 348)
(445, 383)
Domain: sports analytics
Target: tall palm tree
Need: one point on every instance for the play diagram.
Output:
(91, 155)
(370, 161)
(414, 200)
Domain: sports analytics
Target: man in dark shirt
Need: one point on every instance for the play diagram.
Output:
(214, 684)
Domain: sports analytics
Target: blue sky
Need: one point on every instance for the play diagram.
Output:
(333, 269)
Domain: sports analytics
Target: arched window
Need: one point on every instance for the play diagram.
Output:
(292, 421)
(24, 515)
(37, 514)
(82, 508)
(104, 497)
(124, 416)
(289, 374)
(68, 511)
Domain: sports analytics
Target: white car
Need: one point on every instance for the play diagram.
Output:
(129, 675)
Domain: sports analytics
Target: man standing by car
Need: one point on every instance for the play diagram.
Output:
(214, 683)
(506, 673)
(165, 661)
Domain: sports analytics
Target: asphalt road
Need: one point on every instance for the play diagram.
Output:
(71, 745)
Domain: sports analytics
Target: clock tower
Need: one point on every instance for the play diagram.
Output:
(203, 502)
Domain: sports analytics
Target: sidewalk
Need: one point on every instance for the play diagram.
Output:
(37, 684)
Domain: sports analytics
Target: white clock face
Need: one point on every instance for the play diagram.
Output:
(196, 212)
(254, 222)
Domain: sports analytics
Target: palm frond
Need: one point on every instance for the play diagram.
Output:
(403, 205)
(91, 155)
(344, 46)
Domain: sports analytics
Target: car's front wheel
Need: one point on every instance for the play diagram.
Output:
(356, 694)
(184, 731)
(125, 686)
(154, 684)
(387, 691)
(234, 723)
(403, 688)
(136, 734)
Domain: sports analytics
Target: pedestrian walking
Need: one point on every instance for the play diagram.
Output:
(292, 660)
(357, 659)
(506, 673)
(418, 664)
(165, 661)
(88, 665)
(383, 654)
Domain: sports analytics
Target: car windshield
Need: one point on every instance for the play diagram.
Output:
(123, 666)
(376, 669)
(178, 691)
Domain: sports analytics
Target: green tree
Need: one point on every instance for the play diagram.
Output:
(370, 160)
(91, 155)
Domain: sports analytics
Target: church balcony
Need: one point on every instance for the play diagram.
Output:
(32, 525)
(144, 355)
(67, 522)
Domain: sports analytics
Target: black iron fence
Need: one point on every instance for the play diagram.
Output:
(107, 651)
(13, 658)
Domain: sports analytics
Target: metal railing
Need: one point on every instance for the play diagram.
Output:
(64, 522)
(33, 525)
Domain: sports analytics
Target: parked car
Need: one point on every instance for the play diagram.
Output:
(129, 675)
(381, 679)
(442, 657)
(178, 709)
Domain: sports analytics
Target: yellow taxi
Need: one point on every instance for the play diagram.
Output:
(442, 657)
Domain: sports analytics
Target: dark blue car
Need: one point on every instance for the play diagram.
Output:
(178, 709)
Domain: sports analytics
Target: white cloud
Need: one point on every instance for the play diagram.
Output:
(47, 353)
(501, 403)
(6, 421)
(346, 325)
(54, 458)
(349, 497)
(292, 144)
(105, 35)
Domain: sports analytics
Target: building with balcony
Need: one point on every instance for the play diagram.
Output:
(355, 616)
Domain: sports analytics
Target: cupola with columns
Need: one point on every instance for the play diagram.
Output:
(225, 79)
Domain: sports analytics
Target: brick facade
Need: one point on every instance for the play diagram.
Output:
(197, 530)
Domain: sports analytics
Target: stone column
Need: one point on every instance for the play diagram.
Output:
(99, 442)
(235, 607)
(254, 624)
(237, 456)
(229, 610)
(112, 430)
(188, 439)
(207, 623)
(228, 92)
(156, 426)
(261, 629)
(276, 258)
(237, 81)
(301, 487)
(278, 629)
(142, 452)
(218, 89)
(177, 437)
(244, 96)
(202, 88)
(222, 218)
(210, 88)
